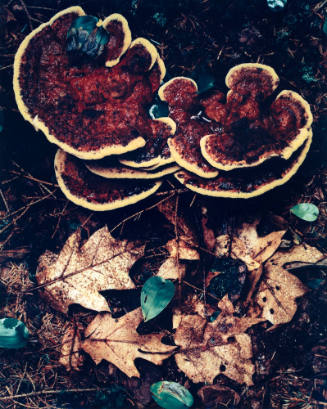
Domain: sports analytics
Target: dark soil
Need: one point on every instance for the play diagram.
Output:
(194, 38)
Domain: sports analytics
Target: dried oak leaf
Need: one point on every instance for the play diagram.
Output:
(248, 246)
(212, 348)
(117, 341)
(70, 354)
(79, 272)
(279, 289)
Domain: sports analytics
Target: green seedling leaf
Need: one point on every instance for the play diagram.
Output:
(155, 296)
(205, 82)
(324, 28)
(159, 110)
(306, 211)
(13, 333)
(171, 395)
(276, 5)
(85, 38)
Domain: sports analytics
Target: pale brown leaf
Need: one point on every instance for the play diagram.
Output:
(79, 272)
(184, 249)
(248, 246)
(212, 348)
(70, 354)
(117, 341)
(170, 269)
(279, 289)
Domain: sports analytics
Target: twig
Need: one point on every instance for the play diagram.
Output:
(59, 219)
(27, 14)
(50, 392)
(26, 208)
(177, 249)
(137, 214)
(4, 200)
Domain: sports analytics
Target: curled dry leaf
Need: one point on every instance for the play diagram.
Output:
(184, 249)
(212, 348)
(171, 269)
(79, 272)
(216, 396)
(248, 246)
(117, 341)
(70, 354)
(279, 289)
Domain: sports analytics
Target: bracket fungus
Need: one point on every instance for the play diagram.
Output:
(95, 105)
(95, 192)
(242, 144)
(87, 86)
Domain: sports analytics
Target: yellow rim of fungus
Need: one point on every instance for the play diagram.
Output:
(127, 36)
(269, 70)
(39, 125)
(162, 89)
(149, 47)
(158, 160)
(303, 134)
(269, 186)
(286, 153)
(187, 165)
(115, 173)
(59, 165)
(162, 67)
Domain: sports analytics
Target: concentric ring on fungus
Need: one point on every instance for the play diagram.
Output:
(94, 192)
(248, 182)
(94, 107)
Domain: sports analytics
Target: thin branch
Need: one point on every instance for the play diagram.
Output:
(50, 392)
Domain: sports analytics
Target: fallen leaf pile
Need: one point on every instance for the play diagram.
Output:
(204, 348)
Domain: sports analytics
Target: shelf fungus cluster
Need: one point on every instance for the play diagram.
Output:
(240, 145)
(88, 86)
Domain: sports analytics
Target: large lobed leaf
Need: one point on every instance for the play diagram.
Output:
(79, 272)
(117, 341)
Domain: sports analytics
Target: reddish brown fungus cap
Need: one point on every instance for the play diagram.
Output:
(95, 192)
(181, 95)
(240, 130)
(92, 108)
(248, 182)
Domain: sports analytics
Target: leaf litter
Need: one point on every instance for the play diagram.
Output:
(204, 348)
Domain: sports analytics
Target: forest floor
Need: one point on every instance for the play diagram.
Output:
(193, 37)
